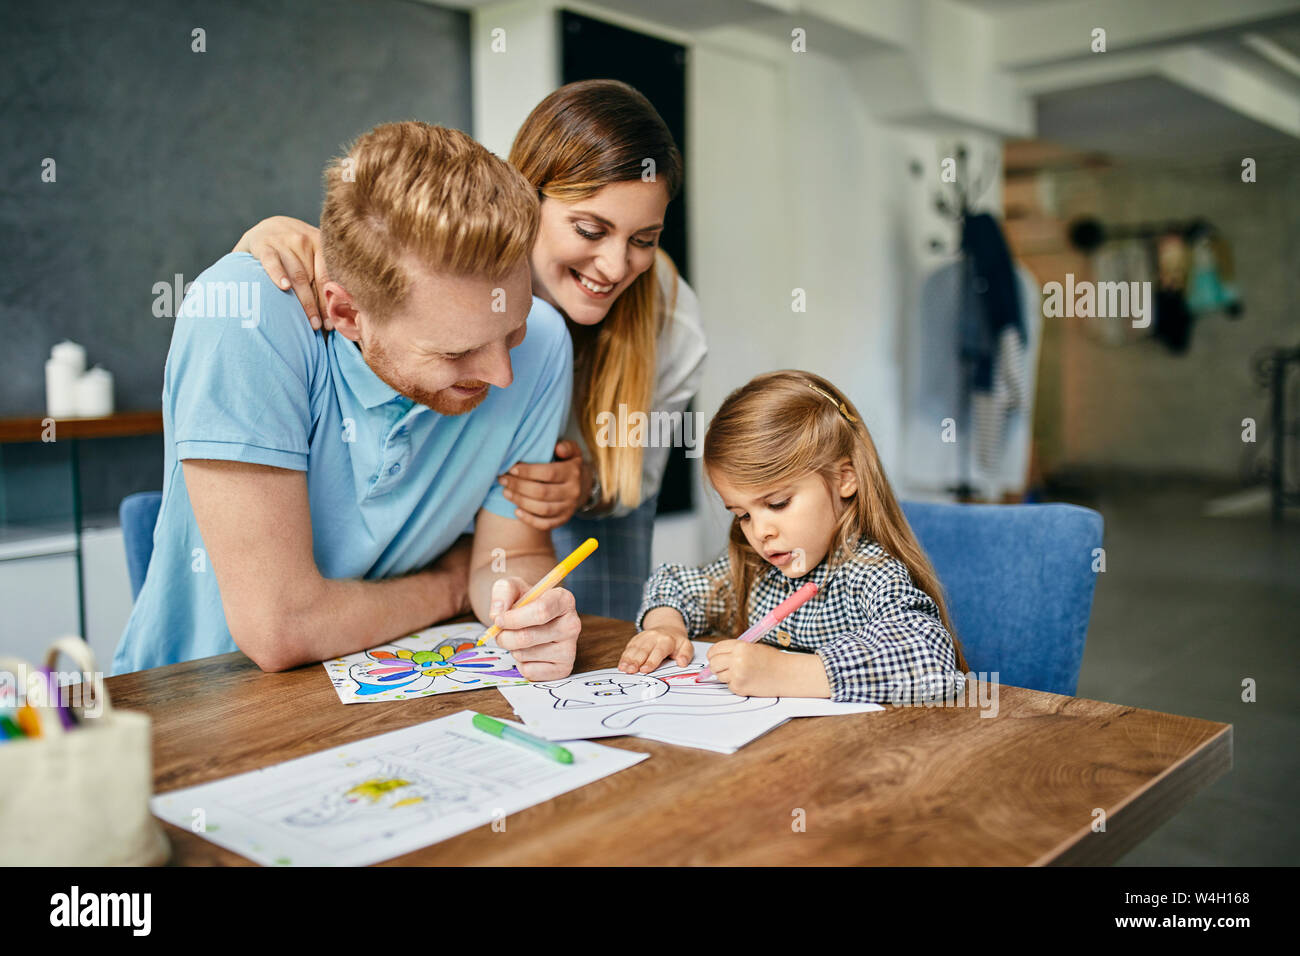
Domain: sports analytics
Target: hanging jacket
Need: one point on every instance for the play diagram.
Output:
(933, 381)
(993, 335)
(993, 282)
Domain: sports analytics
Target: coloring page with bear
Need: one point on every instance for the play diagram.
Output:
(665, 705)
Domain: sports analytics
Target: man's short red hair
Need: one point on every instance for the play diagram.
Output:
(411, 190)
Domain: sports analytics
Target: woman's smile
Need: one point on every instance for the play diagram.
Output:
(590, 286)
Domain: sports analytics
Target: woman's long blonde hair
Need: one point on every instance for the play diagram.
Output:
(584, 136)
(780, 427)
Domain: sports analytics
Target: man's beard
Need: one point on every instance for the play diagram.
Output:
(443, 401)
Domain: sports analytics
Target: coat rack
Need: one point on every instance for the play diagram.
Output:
(1088, 234)
(954, 201)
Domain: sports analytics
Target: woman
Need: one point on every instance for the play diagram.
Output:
(605, 168)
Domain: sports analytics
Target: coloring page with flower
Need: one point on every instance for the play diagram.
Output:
(440, 660)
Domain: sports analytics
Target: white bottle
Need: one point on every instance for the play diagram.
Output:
(66, 363)
(60, 389)
(71, 354)
(95, 393)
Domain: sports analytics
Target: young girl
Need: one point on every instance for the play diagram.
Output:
(794, 464)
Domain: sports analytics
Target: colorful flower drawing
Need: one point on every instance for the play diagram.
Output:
(390, 667)
(437, 661)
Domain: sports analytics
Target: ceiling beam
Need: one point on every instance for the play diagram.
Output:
(1225, 81)
(1049, 32)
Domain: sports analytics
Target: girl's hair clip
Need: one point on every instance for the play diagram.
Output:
(843, 409)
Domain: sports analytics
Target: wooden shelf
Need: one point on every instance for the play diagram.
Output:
(117, 425)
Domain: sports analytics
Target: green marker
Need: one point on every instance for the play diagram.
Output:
(506, 732)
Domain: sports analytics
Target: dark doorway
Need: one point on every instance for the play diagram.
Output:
(592, 49)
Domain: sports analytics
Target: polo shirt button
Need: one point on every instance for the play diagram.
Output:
(395, 469)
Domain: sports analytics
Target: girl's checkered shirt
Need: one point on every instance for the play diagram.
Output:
(879, 636)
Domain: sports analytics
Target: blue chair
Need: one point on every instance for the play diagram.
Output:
(1019, 584)
(138, 514)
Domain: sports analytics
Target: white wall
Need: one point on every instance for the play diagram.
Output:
(514, 64)
(795, 185)
(743, 237)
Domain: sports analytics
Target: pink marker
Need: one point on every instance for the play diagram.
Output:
(770, 620)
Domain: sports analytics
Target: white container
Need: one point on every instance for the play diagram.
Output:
(79, 796)
(70, 354)
(95, 393)
(60, 389)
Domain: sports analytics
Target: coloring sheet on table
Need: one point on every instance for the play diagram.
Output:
(439, 660)
(378, 798)
(666, 705)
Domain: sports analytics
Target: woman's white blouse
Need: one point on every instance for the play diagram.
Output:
(679, 368)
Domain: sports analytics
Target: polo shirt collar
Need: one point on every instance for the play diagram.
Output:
(372, 390)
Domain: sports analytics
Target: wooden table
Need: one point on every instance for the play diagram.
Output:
(906, 786)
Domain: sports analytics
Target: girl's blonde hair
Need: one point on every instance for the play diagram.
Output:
(584, 136)
(780, 427)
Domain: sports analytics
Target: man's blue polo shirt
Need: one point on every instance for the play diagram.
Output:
(391, 483)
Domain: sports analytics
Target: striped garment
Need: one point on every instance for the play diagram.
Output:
(1010, 391)
(879, 636)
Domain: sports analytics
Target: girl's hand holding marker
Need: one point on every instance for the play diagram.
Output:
(734, 660)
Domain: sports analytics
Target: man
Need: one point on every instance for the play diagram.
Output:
(318, 496)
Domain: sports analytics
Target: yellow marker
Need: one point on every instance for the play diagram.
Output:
(28, 721)
(555, 576)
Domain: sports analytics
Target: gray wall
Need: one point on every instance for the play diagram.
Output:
(165, 156)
